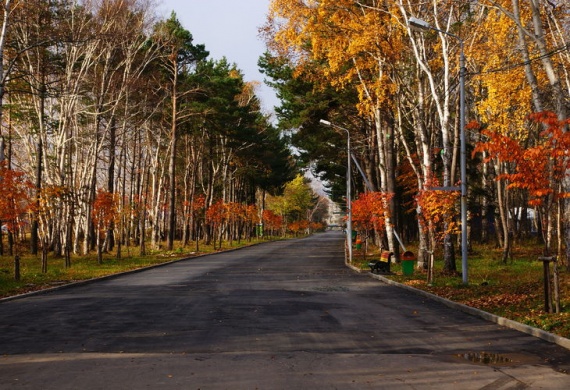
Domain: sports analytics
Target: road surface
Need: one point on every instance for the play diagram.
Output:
(281, 315)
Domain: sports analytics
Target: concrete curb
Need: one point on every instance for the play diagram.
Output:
(542, 334)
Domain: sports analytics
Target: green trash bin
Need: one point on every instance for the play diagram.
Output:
(408, 263)
(408, 267)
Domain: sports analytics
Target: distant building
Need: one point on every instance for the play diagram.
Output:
(336, 216)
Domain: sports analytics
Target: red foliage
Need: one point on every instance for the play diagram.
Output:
(437, 208)
(15, 198)
(298, 226)
(369, 210)
(271, 220)
(251, 213)
(538, 169)
(217, 213)
(105, 209)
(199, 202)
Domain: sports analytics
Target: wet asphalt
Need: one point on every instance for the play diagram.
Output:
(280, 315)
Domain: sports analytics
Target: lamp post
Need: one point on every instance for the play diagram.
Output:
(421, 25)
(348, 181)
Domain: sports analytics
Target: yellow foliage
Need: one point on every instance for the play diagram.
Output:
(354, 45)
(501, 89)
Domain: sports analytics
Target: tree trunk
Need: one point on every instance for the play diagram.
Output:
(110, 238)
(393, 205)
(44, 257)
(17, 268)
(504, 204)
(39, 168)
(172, 164)
(382, 140)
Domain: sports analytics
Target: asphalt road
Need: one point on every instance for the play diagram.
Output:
(281, 315)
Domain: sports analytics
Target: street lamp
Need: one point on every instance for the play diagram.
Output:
(422, 25)
(348, 181)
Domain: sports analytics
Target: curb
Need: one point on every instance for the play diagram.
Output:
(542, 334)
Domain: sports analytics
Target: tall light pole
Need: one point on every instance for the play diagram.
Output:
(418, 24)
(348, 181)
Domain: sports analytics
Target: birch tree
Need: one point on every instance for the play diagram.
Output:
(542, 31)
(441, 77)
(4, 71)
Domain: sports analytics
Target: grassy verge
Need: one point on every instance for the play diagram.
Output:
(86, 267)
(514, 290)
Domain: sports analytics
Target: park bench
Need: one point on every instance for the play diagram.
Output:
(382, 265)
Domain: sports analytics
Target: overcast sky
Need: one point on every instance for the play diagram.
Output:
(228, 28)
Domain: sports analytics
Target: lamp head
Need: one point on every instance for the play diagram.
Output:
(418, 24)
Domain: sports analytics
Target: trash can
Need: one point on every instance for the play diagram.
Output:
(408, 263)
(358, 244)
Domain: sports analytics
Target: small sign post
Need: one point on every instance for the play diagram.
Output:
(546, 260)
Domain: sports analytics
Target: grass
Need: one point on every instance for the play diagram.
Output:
(514, 290)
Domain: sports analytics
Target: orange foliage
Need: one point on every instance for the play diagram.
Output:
(217, 213)
(105, 209)
(199, 202)
(235, 211)
(221, 212)
(345, 38)
(369, 210)
(538, 169)
(298, 226)
(438, 209)
(251, 214)
(271, 220)
(15, 199)
(316, 226)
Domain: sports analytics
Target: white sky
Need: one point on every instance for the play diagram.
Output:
(228, 28)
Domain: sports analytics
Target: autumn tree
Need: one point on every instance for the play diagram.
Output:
(216, 218)
(4, 72)
(15, 202)
(101, 96)
(438, 211)
(348, 49)
(196, 209)
(369, 211)
(52, 199)
(271, 222)
(539, 169)
(296, 203)
(104, 213)
(538, 63)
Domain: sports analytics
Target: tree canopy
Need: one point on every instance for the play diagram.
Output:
(126, 127)
(361, 65)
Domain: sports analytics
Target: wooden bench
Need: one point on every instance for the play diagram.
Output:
(382, 265)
